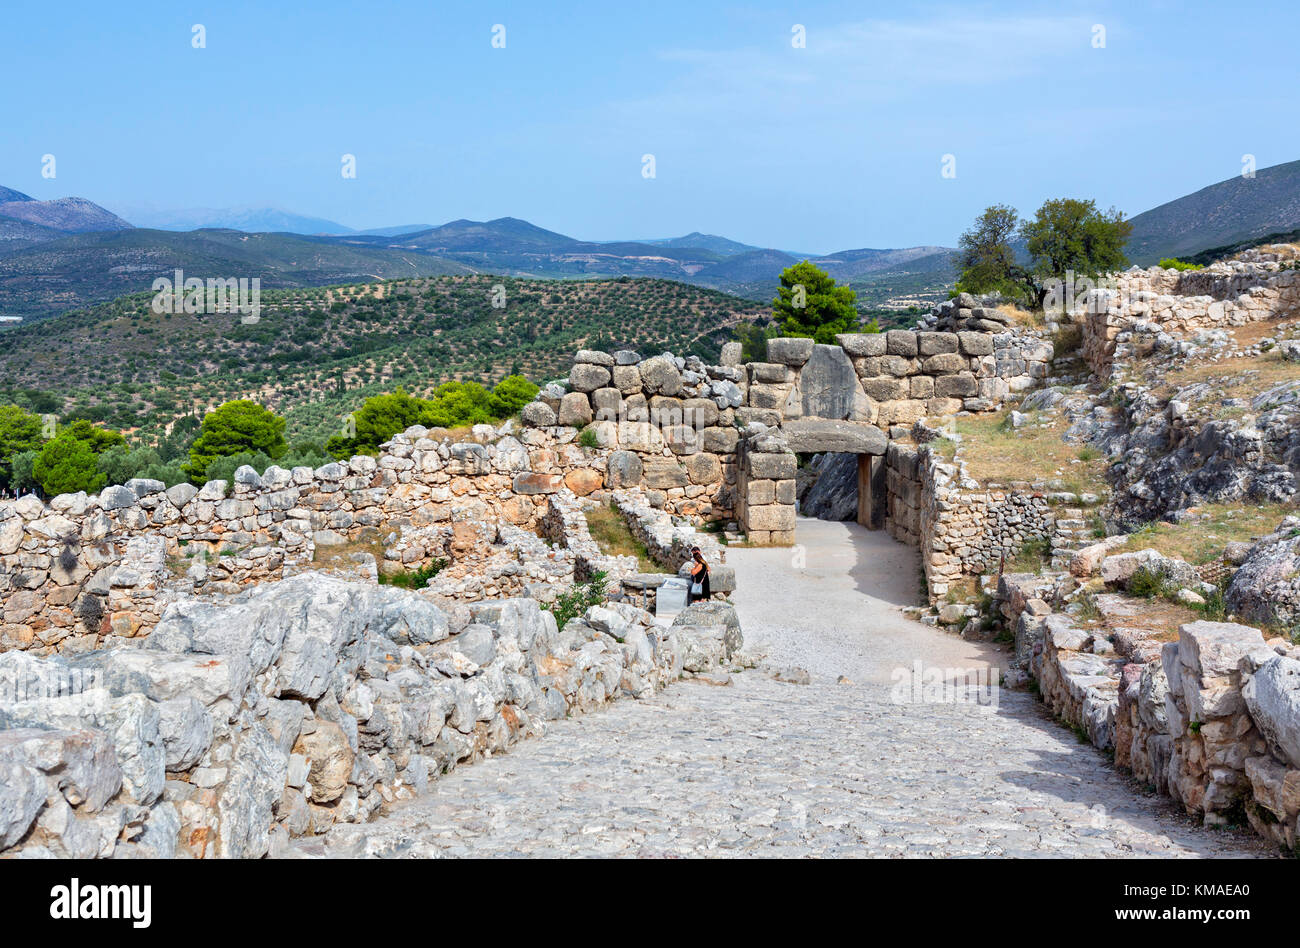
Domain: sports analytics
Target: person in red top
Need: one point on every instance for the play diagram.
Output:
(699, 577)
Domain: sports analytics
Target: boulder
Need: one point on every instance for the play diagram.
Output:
(538, 414)
(1118, 570)
(660, 376)
(1266, 588)
(1273, 699)
(790, 351)
(623, 469)
(575, 410)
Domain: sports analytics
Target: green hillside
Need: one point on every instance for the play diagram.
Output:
(51, 277)
(316, 354)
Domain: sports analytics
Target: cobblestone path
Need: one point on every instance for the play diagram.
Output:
(762, 767)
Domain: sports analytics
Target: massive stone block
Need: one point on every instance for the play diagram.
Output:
(789, 350)
(862, 344)
(587, 378)
(901, 342)
(828, 383)
(772, 466)
(575, 410)
(816, 435)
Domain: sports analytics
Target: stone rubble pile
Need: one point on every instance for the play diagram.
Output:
(241, 722)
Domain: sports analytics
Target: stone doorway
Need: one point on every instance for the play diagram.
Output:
(844, 440)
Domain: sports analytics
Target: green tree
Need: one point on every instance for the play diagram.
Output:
(457, 404)
(753, 340)
(377, 420)
(1068, 234)
(20, 466)
(96, 438)
(67, 464)
(20, 432)
(223, 468)
(987, 262)
(119, 463)
(808, 303)
(234, 427)
(511, 394)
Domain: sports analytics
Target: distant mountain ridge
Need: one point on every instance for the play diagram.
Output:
(44, 270)
(69, 215)
(1233, 211)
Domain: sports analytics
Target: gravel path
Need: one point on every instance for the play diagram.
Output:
(765, 767)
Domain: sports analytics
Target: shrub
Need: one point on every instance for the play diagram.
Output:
(1173, 263)
(588, 439)
(579, 598)
(1147, 583)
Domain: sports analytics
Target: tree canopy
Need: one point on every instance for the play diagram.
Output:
(20, 432)
(808, 303)
(235, 427)
(453, 405)
(1068, 234)
(1065, 235)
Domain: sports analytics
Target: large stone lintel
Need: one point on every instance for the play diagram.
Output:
(814, 435)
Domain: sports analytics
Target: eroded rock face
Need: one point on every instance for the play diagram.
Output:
(1273, 697)
(1266, 588)
(828, 487)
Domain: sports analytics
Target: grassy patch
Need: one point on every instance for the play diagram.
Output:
(1033, 556)
(1202, 541)
(994, 451)
(1239, 378)
(413, 579)
(612, 535)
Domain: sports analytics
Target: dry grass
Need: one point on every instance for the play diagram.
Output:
(1159, 619)
(338, 557)
(1237, 378)
(614, 538)
(1203, 541)
(995, 452)
(1032, 319)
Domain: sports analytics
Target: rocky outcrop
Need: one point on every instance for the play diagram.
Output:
(827, 487)
(1171, 458)
(301, 704)
(1266, 587)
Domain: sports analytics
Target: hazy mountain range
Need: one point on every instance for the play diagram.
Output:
(68, 253)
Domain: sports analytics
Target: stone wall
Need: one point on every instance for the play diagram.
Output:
(698, 437)
(83, 572)
(963, 529)
(1211, 719)
(1226, 293)
(241, 723)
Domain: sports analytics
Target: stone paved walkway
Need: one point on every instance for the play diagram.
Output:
(763, 767)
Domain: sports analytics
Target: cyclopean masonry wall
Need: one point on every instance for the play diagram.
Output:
(244, 721)
(693, 435)
(1149, 302)
(83, 572)
(966, 529)
(1208, 719)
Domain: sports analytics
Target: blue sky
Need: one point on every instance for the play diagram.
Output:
(832, 146)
